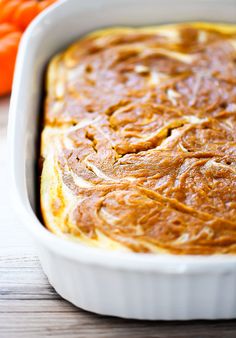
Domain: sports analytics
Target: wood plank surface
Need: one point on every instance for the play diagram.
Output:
(29, 307)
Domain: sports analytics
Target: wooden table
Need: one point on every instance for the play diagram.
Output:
(29, 307)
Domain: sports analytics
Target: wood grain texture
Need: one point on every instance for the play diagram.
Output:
(29, 307)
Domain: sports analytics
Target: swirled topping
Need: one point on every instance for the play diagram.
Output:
(139, 140)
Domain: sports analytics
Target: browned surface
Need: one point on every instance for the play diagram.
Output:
(29, 307)
(159, 150)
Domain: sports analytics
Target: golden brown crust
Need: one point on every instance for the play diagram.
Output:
(140, 140)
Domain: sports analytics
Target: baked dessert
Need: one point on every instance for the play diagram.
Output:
(139, 140)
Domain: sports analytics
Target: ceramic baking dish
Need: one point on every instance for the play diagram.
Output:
(130, 285)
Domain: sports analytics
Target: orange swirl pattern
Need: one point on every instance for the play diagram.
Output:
(139, 140)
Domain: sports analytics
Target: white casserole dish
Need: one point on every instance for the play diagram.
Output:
(140, 286)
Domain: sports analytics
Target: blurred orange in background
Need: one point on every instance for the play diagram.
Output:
(15, 16)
